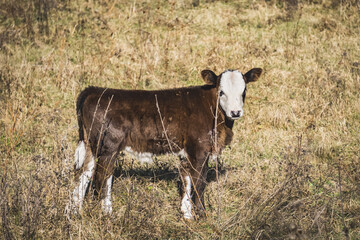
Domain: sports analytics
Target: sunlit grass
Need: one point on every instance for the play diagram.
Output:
(281, 178)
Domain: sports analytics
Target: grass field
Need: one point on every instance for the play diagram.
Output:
(293, 168)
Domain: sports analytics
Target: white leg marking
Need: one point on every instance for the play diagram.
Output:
(80, 155)
(84, 180)
(186, 201)
(106, 202)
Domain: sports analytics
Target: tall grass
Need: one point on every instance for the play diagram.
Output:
(295, 148)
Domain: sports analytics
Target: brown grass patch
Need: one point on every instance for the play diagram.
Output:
(296, 146)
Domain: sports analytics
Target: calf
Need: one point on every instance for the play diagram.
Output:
(185, 121)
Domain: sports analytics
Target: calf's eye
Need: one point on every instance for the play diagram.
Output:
(221, 93)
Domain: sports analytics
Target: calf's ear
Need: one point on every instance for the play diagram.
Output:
(209, 77)
(252, 75)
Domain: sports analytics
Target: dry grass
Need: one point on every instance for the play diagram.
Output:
(296, 146)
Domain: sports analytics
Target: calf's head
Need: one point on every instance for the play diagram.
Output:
(231, 87)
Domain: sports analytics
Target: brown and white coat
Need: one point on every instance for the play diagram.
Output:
(148, 123)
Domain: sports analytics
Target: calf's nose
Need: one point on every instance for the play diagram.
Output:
(235, 114)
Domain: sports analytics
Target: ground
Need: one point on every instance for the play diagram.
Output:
(292, 170)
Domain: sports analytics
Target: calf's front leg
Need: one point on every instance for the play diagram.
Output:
(193, 176)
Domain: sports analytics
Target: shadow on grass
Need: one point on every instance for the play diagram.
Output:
(161, 172)
(157, 173)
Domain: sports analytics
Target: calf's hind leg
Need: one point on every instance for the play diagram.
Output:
(83, 176)
(103, 180)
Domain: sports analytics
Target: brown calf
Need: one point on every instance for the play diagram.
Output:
(147, 123)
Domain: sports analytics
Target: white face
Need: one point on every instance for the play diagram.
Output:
(232, 93)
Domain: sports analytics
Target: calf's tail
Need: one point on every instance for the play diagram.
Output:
(80, 151)
(79, 105)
